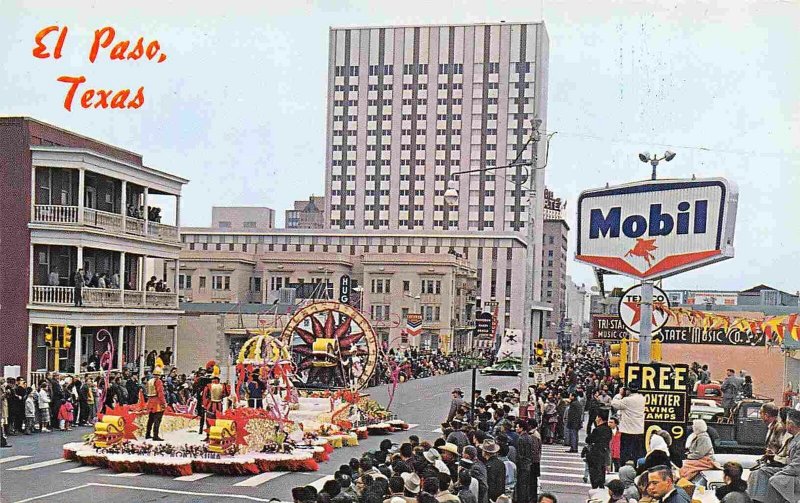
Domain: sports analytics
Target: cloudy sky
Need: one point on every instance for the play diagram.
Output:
(238, 106)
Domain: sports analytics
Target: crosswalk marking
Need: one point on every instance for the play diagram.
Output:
(193, 477)
(574, 467)
(80, 469)
(257, 480)
(12, 458)
(563, 483)
(555, 458)
(437, 430)
(42, 464)
(123, 474)
(412, 425)
(563, 475)
(564, 461)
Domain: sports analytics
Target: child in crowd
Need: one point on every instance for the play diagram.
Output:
(65, 415)
(30, 411)
(44, 408)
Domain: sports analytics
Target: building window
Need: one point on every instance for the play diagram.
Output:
(431, 286)
(249, 225)
(185, 281)
(202, 282)
(381, 285)
(220, 282)
(224, 225)
(255, 284)
(406, 284)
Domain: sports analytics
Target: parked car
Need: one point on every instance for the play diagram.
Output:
(744, 433)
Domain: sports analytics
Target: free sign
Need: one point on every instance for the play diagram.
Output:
(657, 228)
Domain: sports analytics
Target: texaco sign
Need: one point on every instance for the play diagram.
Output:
(630, 309)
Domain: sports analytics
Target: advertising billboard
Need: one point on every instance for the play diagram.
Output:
(607, 327)
(657, 228)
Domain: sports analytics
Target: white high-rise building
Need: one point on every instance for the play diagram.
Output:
(408, 107)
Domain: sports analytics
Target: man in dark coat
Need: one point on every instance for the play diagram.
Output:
(495, 469)
(574, 422)
(478, 472)
(56, 395)
(525, 486)
(597, 444)
(455, 404)
(661, 486)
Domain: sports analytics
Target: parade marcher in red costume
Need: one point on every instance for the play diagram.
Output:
(214, 394)
(156, 403)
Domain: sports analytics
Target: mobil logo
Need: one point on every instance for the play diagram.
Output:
(657, 228)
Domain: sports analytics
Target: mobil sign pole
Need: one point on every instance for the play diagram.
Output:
(656, 228)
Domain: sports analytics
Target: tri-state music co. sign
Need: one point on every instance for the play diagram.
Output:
(712, 336)
(666, 391)
(611, 328)
(657, 228)
(607, 327)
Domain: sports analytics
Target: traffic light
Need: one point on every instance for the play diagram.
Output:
(655, 350)
(619, 357)
(539, 352)
(67, 339)
(48, 335)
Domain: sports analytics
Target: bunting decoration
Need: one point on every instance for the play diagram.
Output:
(775, 328)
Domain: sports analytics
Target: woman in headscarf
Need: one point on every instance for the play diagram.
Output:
(627, 475)
(700, 451)
(657, 454)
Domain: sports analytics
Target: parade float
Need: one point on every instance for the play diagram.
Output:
(312, 373)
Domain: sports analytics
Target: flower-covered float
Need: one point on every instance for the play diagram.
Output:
(295, 399)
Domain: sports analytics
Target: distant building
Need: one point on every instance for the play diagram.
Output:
(554, 274)
(577, 311)
(308, 214)
(242, 218)
(761, 295)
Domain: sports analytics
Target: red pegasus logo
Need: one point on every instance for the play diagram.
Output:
(643, 248)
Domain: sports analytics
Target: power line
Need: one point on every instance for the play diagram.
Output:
(629, 141)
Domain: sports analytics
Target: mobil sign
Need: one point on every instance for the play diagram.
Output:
(657, 228)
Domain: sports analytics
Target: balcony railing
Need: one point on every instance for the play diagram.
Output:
(102, 219)
(104, 297)
(162, 231)
(54, 214)
(57, 214)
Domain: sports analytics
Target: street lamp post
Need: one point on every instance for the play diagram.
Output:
(646, 320)
(451, 198)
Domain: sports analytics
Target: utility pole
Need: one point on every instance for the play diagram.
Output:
(527, 328)
(646, 304)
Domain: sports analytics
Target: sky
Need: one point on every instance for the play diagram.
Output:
(238, 105)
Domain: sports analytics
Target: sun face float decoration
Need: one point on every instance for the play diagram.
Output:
(333, 346)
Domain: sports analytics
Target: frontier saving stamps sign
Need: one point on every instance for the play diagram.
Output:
(657, 228)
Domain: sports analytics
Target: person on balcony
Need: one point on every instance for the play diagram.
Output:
(101, 280)
(79, 284)
(151, 285)
(53, 279)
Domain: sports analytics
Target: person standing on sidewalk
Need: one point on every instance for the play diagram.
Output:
(44, 408)
(574, 422)
(597, 444)
(631, 424)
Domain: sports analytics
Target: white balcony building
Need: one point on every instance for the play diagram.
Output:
(75, 203)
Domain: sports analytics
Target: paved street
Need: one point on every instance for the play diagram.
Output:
(33, 470)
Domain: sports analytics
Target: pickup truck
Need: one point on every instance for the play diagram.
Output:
(744, 434)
